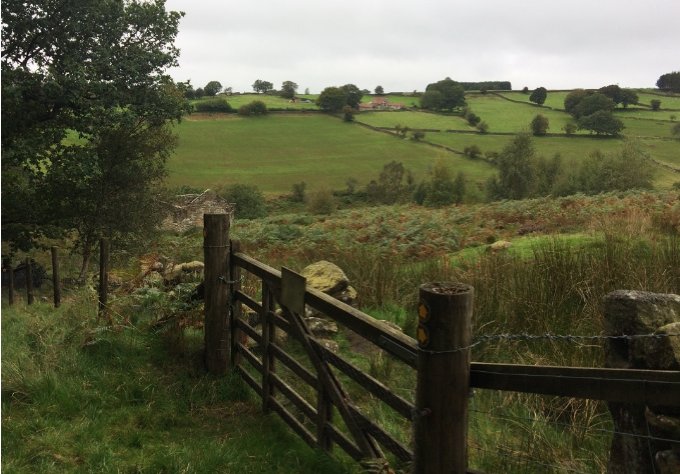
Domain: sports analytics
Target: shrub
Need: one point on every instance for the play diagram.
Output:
(298, 194)
(540, 125)
(472, 152)
(473, 119)
(570, 128)
(655, 103)
(256, 107)
(321, 202)
(348, 113)
(248, 200)
(213, 106)
(483, 127)
(418, 135)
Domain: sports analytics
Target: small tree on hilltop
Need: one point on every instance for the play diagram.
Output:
(332, 99)
(379, 90)
(669, 81)
(212, 88)
(540, 125)
(288, 89)
(262, 86)
(539, 95)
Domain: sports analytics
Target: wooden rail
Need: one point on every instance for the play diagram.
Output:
(275, 371)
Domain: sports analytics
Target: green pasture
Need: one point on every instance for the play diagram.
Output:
(413, 120)
(272, 101)
(408, 101)
(278, 150)
(649, 114)
(645, 128)
(506, 116)
(667, 101)
(554, 100)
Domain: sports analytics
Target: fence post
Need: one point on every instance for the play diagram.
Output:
(10, 294)
(103, 275)
(55, 278)
(440, 418)
(216, 270)
(29, 281)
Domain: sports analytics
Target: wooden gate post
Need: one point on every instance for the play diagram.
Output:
(29, 282)
(55, 278)
(216, 271)
(440, 418)
(103, 275)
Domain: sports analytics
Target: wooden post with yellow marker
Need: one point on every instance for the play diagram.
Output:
(440, 417)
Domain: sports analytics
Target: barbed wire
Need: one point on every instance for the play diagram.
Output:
(526, 337)
(573, 425)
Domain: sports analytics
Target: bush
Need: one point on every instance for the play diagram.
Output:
(256, 107)
(473, 119)
(213, 106)
(473, 152)
(247, 198)
(321, 202)
(655, 103)
(418, 135)
(483, 127)
(540, 125)
(348, 113)
(570, 128)
(298, 194)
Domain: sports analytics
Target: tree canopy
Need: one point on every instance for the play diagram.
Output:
(334, 99)
(212, 88)
(85, 106)
(288, 89)
(669, 81)
(262, 86)
(452, 95)
(539, 95)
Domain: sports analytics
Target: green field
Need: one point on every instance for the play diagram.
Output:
(414, 120)
(272, 101)
(278, 150)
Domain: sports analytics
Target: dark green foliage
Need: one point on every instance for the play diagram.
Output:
(256, 108)
(212, 88)
(473, 152)
(573, 98)
(655, 103)
(332, 99)
(515, 173)
(198, 93)
(418, 135)
(482, 127)
(288, 89)
(525, 90)
(212, 106)
(114, 98)
(593, 103)
(487, 85)
(395, 184)
(539, 125)
(546, 174)
(669, 81)
(298, 194)
(353, 95)
(441, 190)
(262, 86)
(619, 95)
(539, 95)
(401, 130)
(570, 128)
(601, 122)
(473, 119)
(431, 100)
(628, 168)
(247, 198)
(379, 90)
(459, 188)
(348, 113)
(452, 94)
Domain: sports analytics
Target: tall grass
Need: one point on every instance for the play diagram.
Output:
(80, 397)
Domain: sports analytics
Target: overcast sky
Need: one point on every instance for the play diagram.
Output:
(404, 45)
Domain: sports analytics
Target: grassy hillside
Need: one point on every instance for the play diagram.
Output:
(278, 150)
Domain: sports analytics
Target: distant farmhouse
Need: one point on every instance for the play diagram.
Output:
(381, 103)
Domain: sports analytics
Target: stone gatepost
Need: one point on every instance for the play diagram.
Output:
(643, 440)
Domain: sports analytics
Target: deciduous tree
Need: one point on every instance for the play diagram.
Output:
(212, 88)
(669, 81)
(288, 89)
(539, 95)
(109, 90)
(452, 94)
